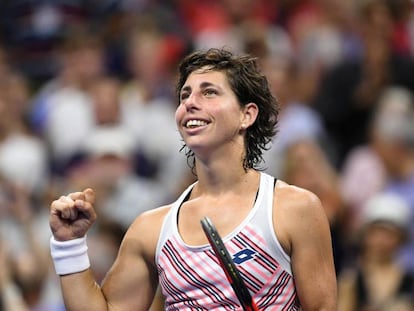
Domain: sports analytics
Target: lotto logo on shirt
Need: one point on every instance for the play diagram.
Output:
(243, 255)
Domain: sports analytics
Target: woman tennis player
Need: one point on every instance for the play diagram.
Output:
(277, 234)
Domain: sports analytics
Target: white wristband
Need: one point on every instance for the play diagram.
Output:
(69, 256)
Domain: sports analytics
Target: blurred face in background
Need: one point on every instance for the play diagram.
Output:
(376, 25)
(307, 166)
(89, 62)
(381, 240)
(390, 140)
(145, 56)
(105, 98)
(279, 74)
(82, 60)
(238, 10)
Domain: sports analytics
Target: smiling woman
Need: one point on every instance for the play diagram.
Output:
(278, 233)
(219, 121)
(240, 79)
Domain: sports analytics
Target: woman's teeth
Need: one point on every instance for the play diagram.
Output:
(195, 123)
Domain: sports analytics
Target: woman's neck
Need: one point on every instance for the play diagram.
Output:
(225, 178)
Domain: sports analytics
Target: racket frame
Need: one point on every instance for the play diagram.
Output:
(227, 264)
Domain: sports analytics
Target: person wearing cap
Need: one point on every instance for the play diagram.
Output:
(377, 281)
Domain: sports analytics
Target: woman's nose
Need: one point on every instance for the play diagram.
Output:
(191, 102)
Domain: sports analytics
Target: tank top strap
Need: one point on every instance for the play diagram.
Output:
(263, 217)
(169, 224)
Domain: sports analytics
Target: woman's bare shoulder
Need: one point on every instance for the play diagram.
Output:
(143, 234)
(295, 210)
(292, 197)
(150, 220)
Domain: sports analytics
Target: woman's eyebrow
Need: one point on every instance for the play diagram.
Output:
(206, 84)
(185, 89)
(203, 85)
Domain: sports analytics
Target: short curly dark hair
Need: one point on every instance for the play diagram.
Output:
(249, 86)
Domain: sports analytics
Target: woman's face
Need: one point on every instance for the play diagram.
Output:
(209, 114)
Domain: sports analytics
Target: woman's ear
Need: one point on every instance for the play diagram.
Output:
(250, 112)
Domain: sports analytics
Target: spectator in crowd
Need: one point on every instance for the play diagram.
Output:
(376, 281)
(394, 143)
(349, 91)
(23, 154)
(147, 106)
(307, 165)
(10, 295)
(27, 269)
(363, 164)
(322, 33)
(62, 111)
(386, 163)
(227, 23)
(34, 30)
(107, 160)
(297, 119)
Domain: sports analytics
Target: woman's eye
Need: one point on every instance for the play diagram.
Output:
(209, 92)
(183, 96)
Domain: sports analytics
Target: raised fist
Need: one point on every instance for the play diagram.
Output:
(72, 215)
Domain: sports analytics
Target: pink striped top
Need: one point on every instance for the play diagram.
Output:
(191, 278)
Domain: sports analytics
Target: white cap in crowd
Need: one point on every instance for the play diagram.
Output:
(389, 208)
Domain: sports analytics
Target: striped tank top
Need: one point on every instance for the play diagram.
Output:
(191, 278)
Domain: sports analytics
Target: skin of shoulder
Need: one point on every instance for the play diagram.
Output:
(302, 227)
(132, 281)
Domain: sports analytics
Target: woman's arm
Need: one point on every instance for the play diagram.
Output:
(303, 227)
(129, 285)
(131, 282)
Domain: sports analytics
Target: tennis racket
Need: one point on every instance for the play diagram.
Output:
(228, 266)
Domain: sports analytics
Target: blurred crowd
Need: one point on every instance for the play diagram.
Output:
(87, 99)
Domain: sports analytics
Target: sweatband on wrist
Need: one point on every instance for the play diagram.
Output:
(69, 256)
